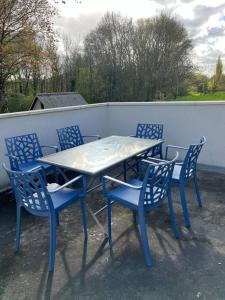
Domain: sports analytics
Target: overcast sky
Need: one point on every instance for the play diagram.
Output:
(204, 20)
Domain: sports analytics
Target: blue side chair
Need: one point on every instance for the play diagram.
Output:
(40, 199)
(151, 131)
(23, 151)
(143, 196)
(71, 136)
(145, 131)
(185, 171)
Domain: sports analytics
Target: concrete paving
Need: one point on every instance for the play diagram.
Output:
(191, 268)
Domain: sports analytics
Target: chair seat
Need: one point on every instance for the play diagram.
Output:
(125, 195)
(33, 164)
(64, 197)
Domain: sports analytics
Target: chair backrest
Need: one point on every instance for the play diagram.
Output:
(149, 131)
(25, 147)
(69, 137)
(190, 162)
(156, 182)
(30, 191)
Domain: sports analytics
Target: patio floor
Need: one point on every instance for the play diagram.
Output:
(191, 268)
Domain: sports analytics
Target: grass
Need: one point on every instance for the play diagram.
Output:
(23, 103)
(203, 97)
(19, 102)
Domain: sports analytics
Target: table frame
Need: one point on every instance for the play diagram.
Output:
(93, 175)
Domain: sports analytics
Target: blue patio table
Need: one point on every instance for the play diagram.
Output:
(94, 158)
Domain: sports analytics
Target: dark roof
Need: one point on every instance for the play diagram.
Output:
(53, 100)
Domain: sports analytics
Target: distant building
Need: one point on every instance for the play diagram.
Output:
(54, 100)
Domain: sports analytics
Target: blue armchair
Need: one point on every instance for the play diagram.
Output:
(185, 171)
(24, 150)
(145, 131)
(71, 136)
(151, 131)
(141, 196)
(45, 200)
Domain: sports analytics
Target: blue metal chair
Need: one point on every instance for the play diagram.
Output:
(145, 131)
(40, 199)
(151, 131)
(71, 136)
(23, 151)
(185, 171)
(141, 196)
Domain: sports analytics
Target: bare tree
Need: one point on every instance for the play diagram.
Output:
(22, 24)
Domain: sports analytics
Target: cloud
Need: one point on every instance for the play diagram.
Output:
(204, 20)
(77, 28)
(202, 14)
(187, 1)
(164, 2)
(216, 31)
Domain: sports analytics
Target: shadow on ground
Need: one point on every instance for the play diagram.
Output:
(191, 268)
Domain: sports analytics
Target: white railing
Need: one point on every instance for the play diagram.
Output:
(184, 123)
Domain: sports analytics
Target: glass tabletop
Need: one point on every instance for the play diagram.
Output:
(94, 157)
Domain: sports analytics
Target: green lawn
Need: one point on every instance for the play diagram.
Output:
(19, 102)
(203, 97)
(22, 103)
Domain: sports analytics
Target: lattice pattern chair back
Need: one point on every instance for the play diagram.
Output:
(70, 137)
(190, 161)
(31, 191)
(150, 131)
(25, 148)
(156, 183)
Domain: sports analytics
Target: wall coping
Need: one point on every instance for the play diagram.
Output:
(87, 106)
(168, 103)
(49, 110)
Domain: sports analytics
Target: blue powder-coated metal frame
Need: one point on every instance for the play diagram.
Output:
(145, 131)
(153, 132)
(71, 136)
(32, 193)
(185, 171)
(24, 150)
(141, 196)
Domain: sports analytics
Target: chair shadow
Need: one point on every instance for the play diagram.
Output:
(45, 286)
(86, 266)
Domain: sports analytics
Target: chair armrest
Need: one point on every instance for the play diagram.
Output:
(97, 136)
(174, 147)
(108, 178)
(13, 161)
(70, 182)
(52, 147)
(154, 161)
(11, 156)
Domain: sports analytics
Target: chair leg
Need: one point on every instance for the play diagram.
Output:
(134, 217)
(52, 242)
(109, 209)
(18, 227)
(197, 191)
(172, 217)
(144, 238)
(83, 209)
(125, 171)
(184, 205)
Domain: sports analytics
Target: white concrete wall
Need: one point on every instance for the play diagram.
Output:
(91, 118)
(184, 123)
